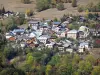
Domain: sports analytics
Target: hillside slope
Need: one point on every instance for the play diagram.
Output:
(16, 5)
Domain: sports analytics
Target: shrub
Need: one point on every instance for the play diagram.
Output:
(74, 3)
(25, 1)
(65, 1)
(69, 1)
(60, 6)
(55, 19)
(98, 7)
(80, 8)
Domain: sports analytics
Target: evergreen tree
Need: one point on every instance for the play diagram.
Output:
(3, 10)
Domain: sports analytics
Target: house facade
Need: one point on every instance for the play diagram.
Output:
(72, 34)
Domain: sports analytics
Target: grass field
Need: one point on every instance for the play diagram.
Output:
(16, 5)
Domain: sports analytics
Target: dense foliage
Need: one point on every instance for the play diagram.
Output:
(12, 22)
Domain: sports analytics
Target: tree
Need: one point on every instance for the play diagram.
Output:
(55, 60)
(80, 8)
(90, 6)
(55, 19)
(48, 69)
(74, 3)
(30, 59)
(29, 12)
(42, 5)
(11, 71)
(1, 25)
(0, 12)
(75, 59)
(90, 59)
(60, 6)
(96, 70)
(9, 53)
(3, 10)
(69, 1)
(85, 67)
(64, 1)
(25, 1)
(2, 40)
(87, 13)
(98, 7)
(54, 2)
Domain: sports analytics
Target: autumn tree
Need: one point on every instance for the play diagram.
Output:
(48, 69)
(54, 2)
(96, 70)
(29, 12)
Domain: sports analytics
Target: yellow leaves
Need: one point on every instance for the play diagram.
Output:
(87, 13)
(96, 70)
(53, 2)
(29, 12)
(48, 68)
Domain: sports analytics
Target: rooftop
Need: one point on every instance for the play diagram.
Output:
(72, 31)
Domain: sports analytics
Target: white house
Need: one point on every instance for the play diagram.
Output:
(55, 29)
(34, 24)
(70, 50)
(83, 46)
(43, 38)
(83, 32)
(8, 36)
(72, 34)
(32, 35)
(50, 45)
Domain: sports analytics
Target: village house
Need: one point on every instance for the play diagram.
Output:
(70, 50)
(8, 13)
(65, 23)
(72, 34)
(34, 24)
(43, 38)
(56, 24)
(83, 46)
(18, 31)
(8, 35)
(32, 35)
(61, 34)
(50, 44)
(83, 32)
(55, 29)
